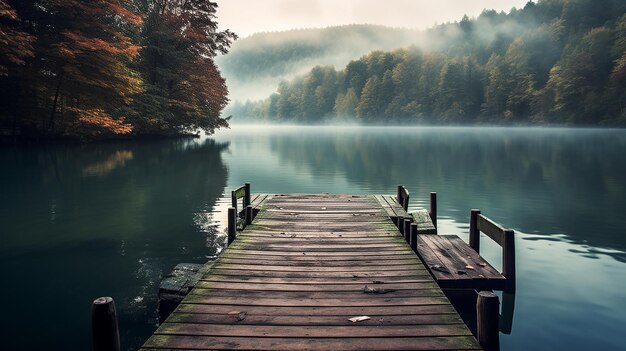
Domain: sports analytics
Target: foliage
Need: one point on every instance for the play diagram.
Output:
(553, 62)
(92, 69)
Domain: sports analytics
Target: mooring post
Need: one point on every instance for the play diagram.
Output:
(232, 224)
(248, 215)
(487, 320)
(433, 208)
(413, 235)
(246, 196)
(104, 327)
(474, 234)
(407, 229)
(508, 260)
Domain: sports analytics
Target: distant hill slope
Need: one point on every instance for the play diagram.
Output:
(256, 64)
(557, 62)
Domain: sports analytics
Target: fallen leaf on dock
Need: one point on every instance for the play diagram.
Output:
(359, 319)
(234, 312)
(369, 290)
(323, 208)
(241, 316)
(482, 264)
(469, 267)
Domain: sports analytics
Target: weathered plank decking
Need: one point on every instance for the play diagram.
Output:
(293, 278)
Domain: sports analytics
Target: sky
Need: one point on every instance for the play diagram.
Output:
(246, 17)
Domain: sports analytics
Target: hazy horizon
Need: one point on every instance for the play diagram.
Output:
(246, 18)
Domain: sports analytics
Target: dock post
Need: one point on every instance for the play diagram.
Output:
(248, 215)
(474, 234)
(508, 260)
(399, 196)
(413, 235)
(246, 196)
(433, 208)
(400, 224)
(487, 320)
(104, 327)
(232, 224)
(407, 229)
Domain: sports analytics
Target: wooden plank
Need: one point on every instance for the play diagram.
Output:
(252, 319)
(376, 275)
(491, 229)
(340, 253)
(353, 269)
(245, 256)
(323, 344)
(307, 287)
(424, 277)
(290, 331)
(322, 240)
(434, 292)
(455, 256)
(372, 301)
(258, 262)
(320, 311)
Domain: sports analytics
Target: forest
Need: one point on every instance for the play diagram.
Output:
(552, 62)
(101, 69)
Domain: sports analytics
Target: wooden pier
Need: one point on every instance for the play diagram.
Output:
(316, 272)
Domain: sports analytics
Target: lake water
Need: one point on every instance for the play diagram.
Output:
(82, 221)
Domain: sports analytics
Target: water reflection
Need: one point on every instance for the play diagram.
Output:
(543, 181)
(77, 222)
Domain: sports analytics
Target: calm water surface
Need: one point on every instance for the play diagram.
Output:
(78, 222)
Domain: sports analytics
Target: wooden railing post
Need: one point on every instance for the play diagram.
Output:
(413, 236)
(232, 224)
(400, 224)
(399, 197)
(106, 333)
(407, 229)
(433, 208)
(246, 198)
(248, 215)
(487, 320)
(474, 234)
(508, 260)
(233, 199)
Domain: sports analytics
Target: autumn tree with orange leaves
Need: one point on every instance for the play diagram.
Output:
(93, 69)
(184, 89)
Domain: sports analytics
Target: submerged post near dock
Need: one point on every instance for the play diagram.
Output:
(327, 272)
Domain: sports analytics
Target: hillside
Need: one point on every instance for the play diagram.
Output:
(256, 64)
(553, 62)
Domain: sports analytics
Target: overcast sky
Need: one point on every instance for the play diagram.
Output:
(246, 17)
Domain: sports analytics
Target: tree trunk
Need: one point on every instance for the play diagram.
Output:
(54, 104)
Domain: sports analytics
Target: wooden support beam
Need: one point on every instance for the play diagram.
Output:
(104, 326)
(400, 225)
(433, 208)
(487, 320)
(413, 237)
(474, 234)
(246, 196)
(400, 194)
(248, 215)
(232, 224)
(407, 229)
(508, 260)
